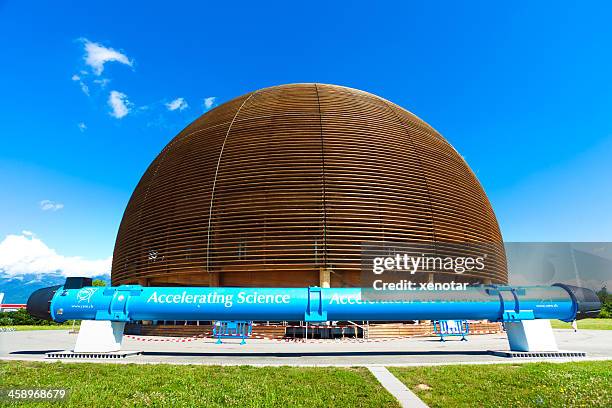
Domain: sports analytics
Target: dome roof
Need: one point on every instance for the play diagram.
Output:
(274, 185)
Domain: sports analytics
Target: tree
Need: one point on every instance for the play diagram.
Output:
(606, 303)
(603, 294)
(98, 282)
(21, 317)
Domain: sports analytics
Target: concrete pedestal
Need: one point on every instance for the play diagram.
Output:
(99, 336)
(531, 335)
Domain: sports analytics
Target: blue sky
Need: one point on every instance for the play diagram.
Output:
(523, 91)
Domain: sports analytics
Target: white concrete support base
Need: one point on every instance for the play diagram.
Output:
(99, 336)
(531, 335)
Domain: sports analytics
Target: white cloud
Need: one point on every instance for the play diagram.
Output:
(83, 85)
(119, 103)
(102, 82)
(20, 254)
(96, 55)
(48, 205)
(209, 102)
(178, 103)
(82, 126)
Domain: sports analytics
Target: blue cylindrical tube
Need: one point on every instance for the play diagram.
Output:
(133, 302)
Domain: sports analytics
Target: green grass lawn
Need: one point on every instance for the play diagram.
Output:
(112, 385)
(57, 327)
(582, 384)
(590, 324)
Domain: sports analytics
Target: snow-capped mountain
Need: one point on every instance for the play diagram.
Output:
(17, 288)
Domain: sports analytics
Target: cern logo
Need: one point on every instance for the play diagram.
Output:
(85, 294)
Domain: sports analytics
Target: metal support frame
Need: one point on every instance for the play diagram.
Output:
(441, 329)
(99, 336)
(232, 329)
(531, 335)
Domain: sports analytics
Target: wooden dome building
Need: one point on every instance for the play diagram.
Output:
(283, 186)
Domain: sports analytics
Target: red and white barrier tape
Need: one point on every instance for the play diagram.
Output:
(292, 339)
(164, 339)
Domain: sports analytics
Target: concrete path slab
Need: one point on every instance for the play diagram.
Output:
(396, 388)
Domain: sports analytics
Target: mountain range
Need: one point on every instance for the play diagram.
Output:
(17, 288)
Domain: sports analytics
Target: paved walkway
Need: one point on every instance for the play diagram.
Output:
(32, 345)
(396, 388)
